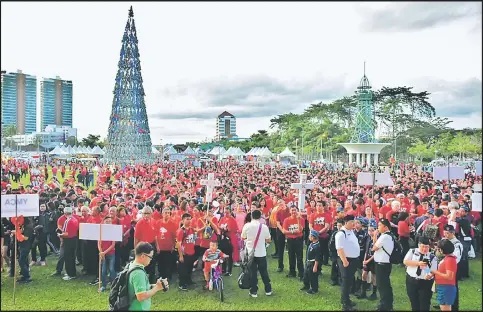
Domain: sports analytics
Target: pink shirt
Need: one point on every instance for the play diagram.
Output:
(240, 220)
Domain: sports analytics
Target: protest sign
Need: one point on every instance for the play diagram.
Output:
(27, 205)
(441, 173)
(381, 179)
(92, 231)
(476, 202)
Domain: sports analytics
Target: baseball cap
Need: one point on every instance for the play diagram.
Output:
(372, 223)
(431, 211)
(68, 209)
(340, 209)
(348, 218)
(364, 221)
(465, 208)
(385, 222)
(449, 228)
(314, 233)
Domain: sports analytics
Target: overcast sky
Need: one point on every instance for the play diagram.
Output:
(255, 60)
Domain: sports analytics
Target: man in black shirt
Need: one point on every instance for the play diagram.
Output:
(465, 238)
(24, 243)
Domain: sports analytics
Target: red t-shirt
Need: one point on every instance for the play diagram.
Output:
(107, 244)
(319, 221)
(448, 263)
(187, 238)
(384, 210)
(229, 225)
(72, 228)
(403, 229)
(292, 224)
(282, 214)
(144, 231)
(205, 242)
(166, 234)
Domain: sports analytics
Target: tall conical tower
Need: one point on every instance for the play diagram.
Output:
(364, 128)
(129, 140)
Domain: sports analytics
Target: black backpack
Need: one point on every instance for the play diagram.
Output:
(332, 241)
(396, 256)
(119, 299)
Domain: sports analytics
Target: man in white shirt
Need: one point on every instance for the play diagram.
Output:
(259, 263)
(348, 250)
(383, 247)
(419, 281)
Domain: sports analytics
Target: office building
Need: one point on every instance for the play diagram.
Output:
(225, 126)
(51, 137)
(56, 102)
(19, 101)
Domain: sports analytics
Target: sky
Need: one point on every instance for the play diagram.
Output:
(254, 60)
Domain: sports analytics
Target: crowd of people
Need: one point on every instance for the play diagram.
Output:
(350, 229)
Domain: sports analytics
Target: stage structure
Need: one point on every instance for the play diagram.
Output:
(128, 139)
(363, 142)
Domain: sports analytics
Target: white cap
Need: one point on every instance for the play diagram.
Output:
(68, 209)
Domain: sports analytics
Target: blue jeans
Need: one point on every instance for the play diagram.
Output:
(108, 261)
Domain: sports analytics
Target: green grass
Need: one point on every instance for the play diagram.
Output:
(52, 293)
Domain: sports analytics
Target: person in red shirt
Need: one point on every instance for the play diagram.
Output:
(145, 232)
(445, 276)
(282, 213)
(69, 230)
(228, 229)
(320, 221)
(185, 243)
(293, 227)
(107, 257)
(166, 231)
(125, 221)
(403, 231)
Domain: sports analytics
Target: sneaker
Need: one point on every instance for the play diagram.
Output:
(68, 278)
(236, 264)
(279, 270)
(228, 274)
(102, 289)
(373, 297)
(25, 281)
(268, 293)
(94, 282)
(56, 273)
(291, 275)
(183, 288)
(311, 292)
(43, 263)
(33, 263)
(305, 288)
(252, 295)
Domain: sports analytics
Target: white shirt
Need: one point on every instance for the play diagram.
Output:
(249, 233)
(414, 254)
(382, 255)
(348, 242)
(458, 249)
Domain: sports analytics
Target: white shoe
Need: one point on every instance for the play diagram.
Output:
(252, 295)
(43, 263)
(68, 278)
(268, 293)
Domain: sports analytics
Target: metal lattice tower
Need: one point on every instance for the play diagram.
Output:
(364, 129)
(129, 140)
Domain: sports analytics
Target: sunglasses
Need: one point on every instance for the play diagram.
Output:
(150, 257)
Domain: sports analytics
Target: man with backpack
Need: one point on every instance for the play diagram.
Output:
(131, 289)
(384, 257)
(335, 278)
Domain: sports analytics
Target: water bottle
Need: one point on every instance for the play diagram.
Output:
(210, 285)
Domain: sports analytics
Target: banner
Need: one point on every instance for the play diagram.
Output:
(441, 173)
(478, 166)
(27, 205)
(382, 179)
(476, 203)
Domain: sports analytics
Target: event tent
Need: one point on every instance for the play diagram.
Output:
(286, 153)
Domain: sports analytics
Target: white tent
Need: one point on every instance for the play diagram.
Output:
(189, 151)
(97, 151)
(265, 152)
(74, 150)
(239, 152)
(217, 150)
(170, 151)
(229, 152)
(286, 153)
(154, 150)
(56, 151)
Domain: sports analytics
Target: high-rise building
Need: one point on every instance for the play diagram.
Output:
(225, 126)
(56, 102)
(19, 101)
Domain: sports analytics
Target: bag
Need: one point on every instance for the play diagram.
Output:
(395, 257)
(332, 242)
(431, 230)
(119, 295)
(244, 277)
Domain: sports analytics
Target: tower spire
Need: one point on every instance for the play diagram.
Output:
(131, 13)
(364, 66)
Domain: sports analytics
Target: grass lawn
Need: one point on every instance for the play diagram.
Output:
(52, 293)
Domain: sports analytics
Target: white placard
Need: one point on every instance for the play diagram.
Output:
(476, 203)
(477, 188)
(478, 166)
(382, 179)
(441, 173)
(92, 231)
(27, 205)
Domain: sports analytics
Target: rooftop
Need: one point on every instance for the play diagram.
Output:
(225, 114)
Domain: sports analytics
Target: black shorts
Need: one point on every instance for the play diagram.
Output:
(370, 267)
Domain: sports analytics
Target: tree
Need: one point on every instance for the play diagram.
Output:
(7, 133)
(72, 141)
(91, 141)
(421, 150)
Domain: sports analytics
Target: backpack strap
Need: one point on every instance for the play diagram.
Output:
(393, 247)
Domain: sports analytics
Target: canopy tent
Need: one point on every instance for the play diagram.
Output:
(97, 151)
(217, 150)
(170, 151)
(189, 151)
(154, 150)
(238, 152)
(286, 153)
(265, 152)
(56, 151)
